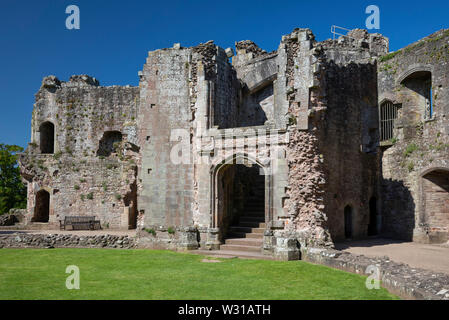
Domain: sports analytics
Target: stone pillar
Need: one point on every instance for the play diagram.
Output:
(286, 249)
(188, 238)
(268, 242)
(212, 242)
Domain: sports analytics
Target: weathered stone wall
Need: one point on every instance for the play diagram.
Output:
(166, 195)
(49, 241)
(349, 138)
(398, 278)
(79, 181)
(331, 90)
(420, 143)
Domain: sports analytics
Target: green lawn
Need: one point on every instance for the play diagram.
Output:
(153, 274)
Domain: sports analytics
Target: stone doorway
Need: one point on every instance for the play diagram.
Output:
(42, 207)
(241, 193)
(435, 205)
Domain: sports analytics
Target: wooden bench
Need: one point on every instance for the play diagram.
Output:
(80, 223)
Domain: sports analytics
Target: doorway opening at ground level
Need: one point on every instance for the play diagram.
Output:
(42, 207)
(435, 205)
(348, 222)
(372, 225)
(241, 202)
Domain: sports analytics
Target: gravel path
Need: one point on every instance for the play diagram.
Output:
(427, 256)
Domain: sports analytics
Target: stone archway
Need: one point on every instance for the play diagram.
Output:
(42, 207)
(241, 195)
(435, 204)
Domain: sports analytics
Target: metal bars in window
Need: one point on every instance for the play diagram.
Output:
(388, 115)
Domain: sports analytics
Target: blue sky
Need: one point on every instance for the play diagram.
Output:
(115, 37)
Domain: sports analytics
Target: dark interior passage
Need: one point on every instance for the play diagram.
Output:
(242, 200)
(372, 226)
(42, 207)
(348, 222)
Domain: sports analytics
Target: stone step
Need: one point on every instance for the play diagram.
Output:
(237, 247)
(252, 224)
(260, 213)
(245, 242)
(227, 254)
(246, 230)
(245, 235)
(248, 224)
(252, 219)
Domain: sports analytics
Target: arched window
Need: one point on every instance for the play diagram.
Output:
(420, 85)
(47, 137)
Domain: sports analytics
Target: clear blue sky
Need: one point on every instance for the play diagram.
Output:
(115, 36)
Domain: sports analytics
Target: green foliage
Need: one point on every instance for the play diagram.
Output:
(410, 149)
(410, 166)
(171, 230)
(90, 196)
(389, 56)
(12, 191)
(76, 187)
(394, 140)
(151, 231)
(57, 155)
(292, 120)
(118, 196)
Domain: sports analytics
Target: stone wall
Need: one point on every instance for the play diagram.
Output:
(398, 278)
(49, 241)
(77, 178)
(420, 142)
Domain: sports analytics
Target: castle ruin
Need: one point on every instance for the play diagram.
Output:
(301, 147)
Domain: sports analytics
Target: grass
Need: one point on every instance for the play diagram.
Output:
(166, 275)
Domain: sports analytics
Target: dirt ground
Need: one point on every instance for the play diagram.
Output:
(427, 256)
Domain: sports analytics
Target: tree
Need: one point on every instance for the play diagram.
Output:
(12, 190)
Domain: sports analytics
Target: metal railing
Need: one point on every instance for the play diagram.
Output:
(334, 29)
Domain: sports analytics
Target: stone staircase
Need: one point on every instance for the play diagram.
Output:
(245, 239)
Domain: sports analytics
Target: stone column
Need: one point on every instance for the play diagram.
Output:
(286, 249)
(188, 238)
(212, 242)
